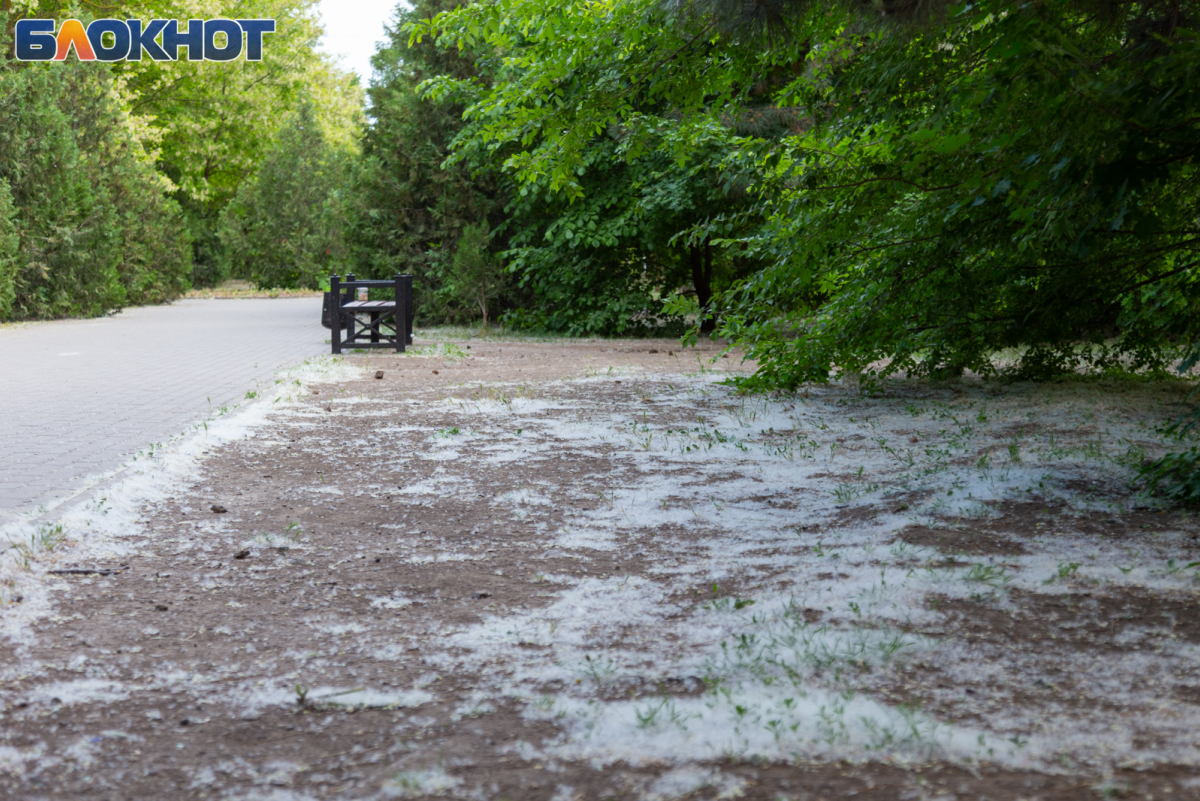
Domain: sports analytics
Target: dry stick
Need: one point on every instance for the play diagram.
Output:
(87, 571)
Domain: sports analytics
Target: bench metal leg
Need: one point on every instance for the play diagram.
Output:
(400, 315)
(335, 290)
(408, 308)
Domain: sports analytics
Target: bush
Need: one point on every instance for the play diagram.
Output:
(1175, 476)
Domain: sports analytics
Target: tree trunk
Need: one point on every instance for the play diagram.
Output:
(702, 269)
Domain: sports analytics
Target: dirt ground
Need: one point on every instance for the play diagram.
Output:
(537, 570)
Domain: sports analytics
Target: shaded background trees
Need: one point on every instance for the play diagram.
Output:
(285, 226)
(117, 173)
(93, 226)
(833, 186)
(600, 262)
(954, 182)
(414, 209)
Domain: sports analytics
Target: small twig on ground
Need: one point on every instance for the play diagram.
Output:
(86, 571)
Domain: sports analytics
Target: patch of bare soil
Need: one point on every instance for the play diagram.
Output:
(960, 541)
(1075, 619)
(1013, 524)
(1047, 639)
(283, 626)
(1037, 518)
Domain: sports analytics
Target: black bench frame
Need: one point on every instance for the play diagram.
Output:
(381, 315)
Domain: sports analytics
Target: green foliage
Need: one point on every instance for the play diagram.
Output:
(476, 275)
(412, 209)
(1176, 476)
(596, 266)
(210, 263)
(65, 263)
(118, 173)
(926, 190)
(836, 187)
(9, 244)
(600, 264)
(93, 228)
(1010, 177)
(588, 266)
(210, 123)
(285, 226)
(110, 172)
(565, 72)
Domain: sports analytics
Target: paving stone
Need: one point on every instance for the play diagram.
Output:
(79, 397)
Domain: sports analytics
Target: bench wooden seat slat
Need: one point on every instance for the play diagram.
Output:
(368, 305)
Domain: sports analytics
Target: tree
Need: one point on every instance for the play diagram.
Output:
(413, 208)
(211, 122)
(10, 242)
(601, 263)
(1012, 176)
(285, 225)
(629, 217)
(94, 230)
(116, 170)
(1006, 175)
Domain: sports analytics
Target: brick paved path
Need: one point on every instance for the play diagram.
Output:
(78, 397)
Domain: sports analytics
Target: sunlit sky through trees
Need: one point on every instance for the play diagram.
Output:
(352, 28)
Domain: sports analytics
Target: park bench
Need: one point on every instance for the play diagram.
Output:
(371, 323)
